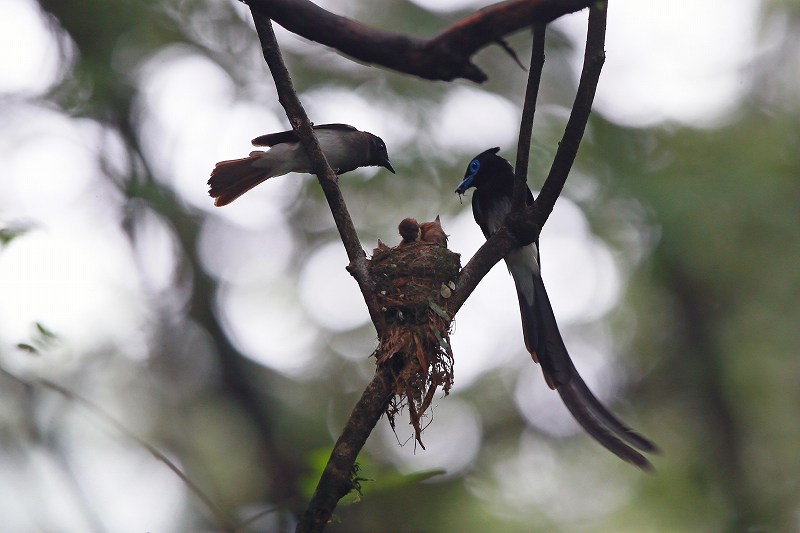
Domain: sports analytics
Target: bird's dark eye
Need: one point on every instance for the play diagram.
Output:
(474, 166)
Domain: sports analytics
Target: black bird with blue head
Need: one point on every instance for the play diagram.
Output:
(492, 177)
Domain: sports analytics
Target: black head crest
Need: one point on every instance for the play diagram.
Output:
(490, 151)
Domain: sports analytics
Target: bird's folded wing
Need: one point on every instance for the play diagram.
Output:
(271, 139)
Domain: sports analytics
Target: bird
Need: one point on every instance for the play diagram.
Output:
(409, 230)
(432, 232)
(345, 148)
(493, 179)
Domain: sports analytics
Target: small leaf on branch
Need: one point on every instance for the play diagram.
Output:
(438, 310)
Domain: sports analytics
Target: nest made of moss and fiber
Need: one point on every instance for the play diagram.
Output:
(413, 282)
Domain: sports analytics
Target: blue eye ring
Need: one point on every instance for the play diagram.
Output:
(474, 166)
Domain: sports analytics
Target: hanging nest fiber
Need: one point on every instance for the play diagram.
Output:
(412, 282)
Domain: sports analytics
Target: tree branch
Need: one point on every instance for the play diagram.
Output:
(526, 122)
(593, 58)
(319, 165)
(488, 255)
(337, 478)
(443, 57)
(523, 227)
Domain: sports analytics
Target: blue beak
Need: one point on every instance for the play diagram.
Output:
(466, 184)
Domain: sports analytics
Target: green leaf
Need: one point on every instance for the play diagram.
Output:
(25, 347)
(443, 343)
(9, 234)
(46, 332)
(438, 310)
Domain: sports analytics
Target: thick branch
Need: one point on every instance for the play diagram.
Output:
(337, 478)
(319, 165)
(526, 122)
(443, 57)
(593, 59)
(488, 255)
(519, 228)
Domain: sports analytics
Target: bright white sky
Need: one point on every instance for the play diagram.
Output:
(682, 61)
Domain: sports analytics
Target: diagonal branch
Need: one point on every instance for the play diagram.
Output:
(489, 254)
(319, 165)
(337, 478)
(593, 58)
(444, 57)
(222, 521)
(528, 111)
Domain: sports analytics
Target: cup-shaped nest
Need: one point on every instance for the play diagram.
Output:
(413, 282)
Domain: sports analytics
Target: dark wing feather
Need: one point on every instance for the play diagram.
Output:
(271, 139)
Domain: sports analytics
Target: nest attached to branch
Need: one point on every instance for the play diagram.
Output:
(413, 282)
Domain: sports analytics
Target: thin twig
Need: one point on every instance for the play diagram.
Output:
(528, 111)
(445, 56)
(319, 165)
(222, 521)
(593, 58)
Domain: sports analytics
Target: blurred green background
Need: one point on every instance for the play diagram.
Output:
(234, 341)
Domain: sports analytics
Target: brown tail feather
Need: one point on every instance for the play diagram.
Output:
(231, 179)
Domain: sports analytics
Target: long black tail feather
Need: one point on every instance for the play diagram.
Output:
(601, 433)
(607, 419)
(547, 347)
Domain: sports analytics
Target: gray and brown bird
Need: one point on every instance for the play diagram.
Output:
(345, 148)
(493, 180)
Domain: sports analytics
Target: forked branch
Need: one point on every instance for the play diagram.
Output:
(446, 56)
(523, 227)
(593, 58)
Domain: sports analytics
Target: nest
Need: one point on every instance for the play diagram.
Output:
(413, 282)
